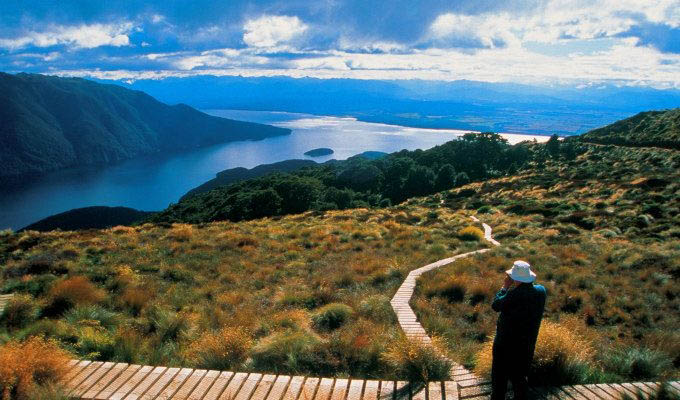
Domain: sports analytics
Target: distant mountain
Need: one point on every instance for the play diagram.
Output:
(651, 128)
(467, 105)
(233, 175)
(48, 123)
(98, 217)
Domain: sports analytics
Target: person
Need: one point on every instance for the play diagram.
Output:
(520, 304)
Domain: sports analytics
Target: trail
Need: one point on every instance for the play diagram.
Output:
(415, 331)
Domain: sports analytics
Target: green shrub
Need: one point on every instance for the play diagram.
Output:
(19, 311)
(290, 351)
(633, 363)
(332, 316)
(471, 233)
(166, 324)
(225, 349)
(377, 308)
(413, 361)
(93, 312)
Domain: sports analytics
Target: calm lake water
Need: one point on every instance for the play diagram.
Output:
(153, 182)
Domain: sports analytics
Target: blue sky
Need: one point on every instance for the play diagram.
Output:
(578, 43)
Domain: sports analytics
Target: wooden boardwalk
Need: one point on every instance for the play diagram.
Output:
(120, 381)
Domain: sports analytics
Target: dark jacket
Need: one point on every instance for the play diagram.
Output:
(521, 311)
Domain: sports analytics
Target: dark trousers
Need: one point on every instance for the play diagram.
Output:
(508, 365)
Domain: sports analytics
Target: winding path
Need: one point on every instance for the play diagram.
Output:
(121, 381)
(469, 383)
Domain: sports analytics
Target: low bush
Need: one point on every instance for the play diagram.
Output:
(413, 361)
(227, 348)
(637, 363)
(471, 233)
(332, 316)
(70, 292)
(20, 311)
(562, 356)
(290, 350)
(451, 288)
(28, 367)
(378, 309)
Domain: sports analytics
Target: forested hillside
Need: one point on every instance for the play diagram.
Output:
(356, 182)
(651, 128)
(48, 123)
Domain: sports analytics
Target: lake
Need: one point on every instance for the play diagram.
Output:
(153, 182)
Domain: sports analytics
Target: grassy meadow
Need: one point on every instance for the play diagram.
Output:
(603, 234)
(306, 293)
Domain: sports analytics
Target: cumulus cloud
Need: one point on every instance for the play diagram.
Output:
(81, 36)
(272, 30)
(551, 22)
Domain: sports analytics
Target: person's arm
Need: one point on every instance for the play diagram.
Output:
(502, 297)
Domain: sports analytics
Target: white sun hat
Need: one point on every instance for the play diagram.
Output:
(521, 271)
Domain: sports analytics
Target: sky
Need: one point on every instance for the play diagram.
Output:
(547, 42)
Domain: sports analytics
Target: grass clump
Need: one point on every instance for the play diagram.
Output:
(413, 361)
(20, 311)
(291, 350)
(227, 348)
(636, 363)
(561, 356)
(332, 316)
(471, 233)
(30, 368)
(70, 292)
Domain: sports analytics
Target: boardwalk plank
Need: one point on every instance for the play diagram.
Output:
(624, 389)
(599, 392)
(386, 390)
(294, 388)
(475, 391)
(434, 391)
(340, 389)
(633, 389)
(218, 386)
(146, 383)
(84, 374)
(91, 380)
(262, 389)
(131, 383)
(644, 389)
(124, 376)
(234, 386)
(204, 385)
(175, 383)
(611, 390)
(75, 370)
(573, 393)
(325, 389)
(418, 392)
(450, 390)
(110, 376)
(402, 390)
(356, 387)
(309, 388)
(160, 384)
(189, 384)
(248, 387)
(371, 390)
(278, 388)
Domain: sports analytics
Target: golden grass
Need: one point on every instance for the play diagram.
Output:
(26, 366)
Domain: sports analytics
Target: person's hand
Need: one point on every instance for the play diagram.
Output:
(508, 282)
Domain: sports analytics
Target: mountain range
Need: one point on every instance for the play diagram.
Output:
(49, 123)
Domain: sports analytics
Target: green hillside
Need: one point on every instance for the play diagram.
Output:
(651, 128)
(48, 123)
(96, 217)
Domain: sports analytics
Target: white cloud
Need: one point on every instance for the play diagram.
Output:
(554, 21)
(272, 30)
(81, 36)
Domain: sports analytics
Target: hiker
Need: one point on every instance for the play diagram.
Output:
(520, 304)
